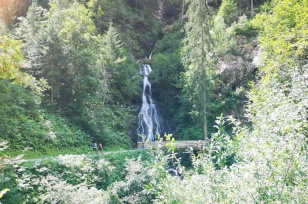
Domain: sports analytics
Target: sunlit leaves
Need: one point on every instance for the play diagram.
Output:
(228, 10)
(12, 63)
(283, 33)
(11, 59)
(3, 192)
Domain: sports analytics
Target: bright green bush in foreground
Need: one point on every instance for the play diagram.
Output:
(62, 179)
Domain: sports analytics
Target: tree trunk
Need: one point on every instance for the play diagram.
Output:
(240, 8)
(205, 135)
(52, 92)
(251, 8)
(183, 6)
(203, 103)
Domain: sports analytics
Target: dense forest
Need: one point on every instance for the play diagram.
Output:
(230, 73)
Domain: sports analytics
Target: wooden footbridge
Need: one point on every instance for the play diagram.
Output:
(195, 144)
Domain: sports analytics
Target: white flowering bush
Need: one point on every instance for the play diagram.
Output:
(59, 191)
(75, 161)
(268, 170)
(77, 179)
(132, 188)
(3, 146)
(270, 160)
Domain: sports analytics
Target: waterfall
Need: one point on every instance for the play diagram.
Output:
(149, 123)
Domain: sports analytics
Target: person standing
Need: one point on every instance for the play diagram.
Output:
(100, 147)
(94, 146)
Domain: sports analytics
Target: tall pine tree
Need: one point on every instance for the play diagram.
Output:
(196, 56)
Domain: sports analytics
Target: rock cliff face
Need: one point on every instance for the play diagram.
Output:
(168, 12)
(161, 10)
(234, 68)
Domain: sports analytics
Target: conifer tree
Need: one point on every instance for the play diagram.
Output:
(29, 30)
(119, 67)
(228, 10)
(196, 56)
(207, 38)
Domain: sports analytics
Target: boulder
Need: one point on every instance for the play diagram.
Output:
(233, 68)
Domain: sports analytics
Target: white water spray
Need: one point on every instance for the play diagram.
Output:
(149, 123)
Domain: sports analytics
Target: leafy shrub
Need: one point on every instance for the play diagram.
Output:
(110, 125)
(63, 133)
(23, 124)
(63, 177)
(247, 30)
(20, 119)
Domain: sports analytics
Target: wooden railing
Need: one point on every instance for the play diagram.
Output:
(195, 144)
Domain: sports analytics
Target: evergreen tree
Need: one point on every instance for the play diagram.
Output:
(88, 73)
(29, 30)
(228, 10)
(120, 69)
(196, 56)
(206, 38)
(67, 53)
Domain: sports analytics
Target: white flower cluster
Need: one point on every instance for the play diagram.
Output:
(138, 175)
(51, 135)
(58, 191)
(70, 160)
(47, 123)
(53, 188)
(3, 145)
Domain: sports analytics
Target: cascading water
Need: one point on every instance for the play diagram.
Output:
(149, 123)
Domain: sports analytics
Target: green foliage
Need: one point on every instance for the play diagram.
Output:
(63, 134)
(20, 119)
(221, 37)
(171, 41)
(282, 34)
(224, 148)
(74, 71)
(25, 125)
(89, 74)
(120, 69)
(28, 30)
(247, 30)
(29, 182)
(228, 10)
(166, 73)
(200, 53)
(137, 27)
(11, 62)
(266, 163)
(111, 125)
(266, 7)
(198, 64)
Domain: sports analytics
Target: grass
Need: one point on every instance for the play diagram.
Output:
(52, 152)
